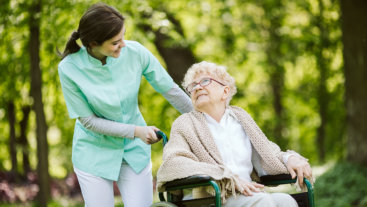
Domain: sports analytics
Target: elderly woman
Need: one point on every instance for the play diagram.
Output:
(225, 143)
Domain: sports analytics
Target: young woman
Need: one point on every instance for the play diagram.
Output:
(100, 82)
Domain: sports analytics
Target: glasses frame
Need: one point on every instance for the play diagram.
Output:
(200, 83)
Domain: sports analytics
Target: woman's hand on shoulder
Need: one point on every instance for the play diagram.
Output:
(146, 134)
(298, 166)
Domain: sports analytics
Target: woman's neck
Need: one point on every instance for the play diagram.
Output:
(215, 112)
(102, 58)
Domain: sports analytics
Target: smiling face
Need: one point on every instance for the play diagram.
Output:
(210, 97)
(111, 47)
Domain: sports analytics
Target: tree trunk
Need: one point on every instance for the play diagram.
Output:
(178, 58)
(277, 85)
(36, 93)
(12, 138)
(354, 27)
(323, 96)
(23, 141)
(276, 69)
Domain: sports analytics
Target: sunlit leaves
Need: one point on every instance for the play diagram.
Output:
(233, 33)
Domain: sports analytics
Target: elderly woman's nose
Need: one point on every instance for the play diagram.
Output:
(197, 87)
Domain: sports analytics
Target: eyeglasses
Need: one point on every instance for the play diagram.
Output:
(203, 82)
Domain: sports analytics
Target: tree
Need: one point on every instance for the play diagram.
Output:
(36, 93)
(23, 141)
(12, 137)
(274, 13)
(178, 57)
(323, 95)
(354, 27)
(14, 81)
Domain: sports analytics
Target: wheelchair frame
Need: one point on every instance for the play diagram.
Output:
(204, 180)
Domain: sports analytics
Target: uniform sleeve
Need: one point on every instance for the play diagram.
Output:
(154, 72)
(107, 127)
(75, 100)
(178, 99)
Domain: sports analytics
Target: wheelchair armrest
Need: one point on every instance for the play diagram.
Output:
(277, 179)
(192, 180)
(273, 180)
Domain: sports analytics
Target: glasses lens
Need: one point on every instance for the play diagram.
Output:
(191, 87)
(205, 82)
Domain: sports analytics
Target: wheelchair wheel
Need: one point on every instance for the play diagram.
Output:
(163, 204)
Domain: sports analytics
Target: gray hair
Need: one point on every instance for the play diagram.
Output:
(213, 70)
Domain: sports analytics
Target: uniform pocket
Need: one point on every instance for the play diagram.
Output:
(88, 137)
(112, 142)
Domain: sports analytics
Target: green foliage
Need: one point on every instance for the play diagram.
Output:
(342, 186)
(233, 33)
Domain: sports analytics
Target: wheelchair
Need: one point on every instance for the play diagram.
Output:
(304, 199)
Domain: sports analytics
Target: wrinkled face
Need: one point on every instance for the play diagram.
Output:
(111, 47)
(205, 97)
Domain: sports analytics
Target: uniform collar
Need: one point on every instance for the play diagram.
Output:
(94, 61)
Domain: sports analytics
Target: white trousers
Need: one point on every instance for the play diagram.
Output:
(262, 199)
(136, 189)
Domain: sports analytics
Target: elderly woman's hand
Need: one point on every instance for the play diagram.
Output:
(250, 187)
(299, 167)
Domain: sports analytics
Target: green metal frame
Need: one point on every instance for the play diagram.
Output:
(305, 180)
(218, 201)
(162, 135)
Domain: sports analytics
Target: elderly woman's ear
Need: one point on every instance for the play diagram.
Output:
(226, 92)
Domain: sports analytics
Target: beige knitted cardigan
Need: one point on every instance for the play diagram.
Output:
(191, 150)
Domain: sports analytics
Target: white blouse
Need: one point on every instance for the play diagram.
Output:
(235, 147)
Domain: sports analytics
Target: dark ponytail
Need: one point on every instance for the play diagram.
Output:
(98, 24)
(71, 46)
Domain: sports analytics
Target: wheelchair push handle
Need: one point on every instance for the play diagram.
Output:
(159, 134)
(162, 135)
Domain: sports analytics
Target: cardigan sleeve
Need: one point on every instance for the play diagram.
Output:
(270, 153)
(179, 161)
(272, 148)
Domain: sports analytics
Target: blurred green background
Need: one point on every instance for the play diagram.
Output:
(300, 68)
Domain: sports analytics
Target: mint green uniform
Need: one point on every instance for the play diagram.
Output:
(109, 91)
